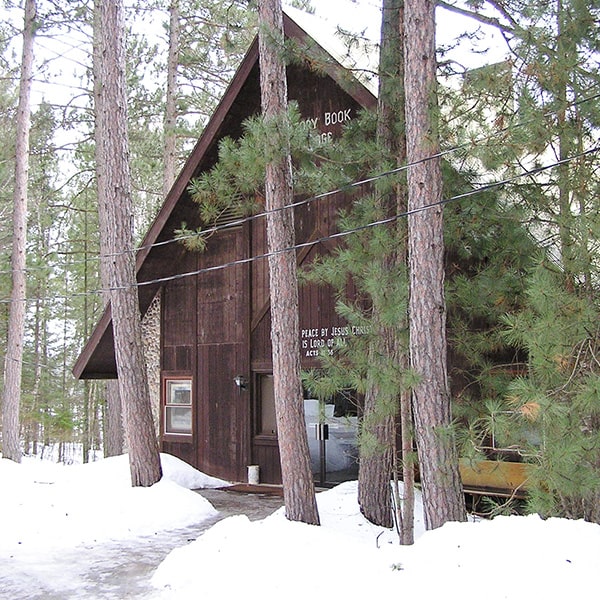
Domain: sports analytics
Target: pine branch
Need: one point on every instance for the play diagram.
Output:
(494, 22)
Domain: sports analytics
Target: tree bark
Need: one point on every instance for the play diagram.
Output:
(114, 435)
(298, 486)
(395, 105)
(376, 458)
(438, 462)
(170, 144)
(566, 51)
(406, 511)
(11, 447)
(115, 214)
(114, 442)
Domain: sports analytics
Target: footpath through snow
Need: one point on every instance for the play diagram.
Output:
(83, 532)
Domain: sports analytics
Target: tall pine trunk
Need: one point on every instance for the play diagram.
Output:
(170, 133)
(565, 50)
(298, 486)
(377, 459)
(114, 442)
(114, 438)
(115, 214)
(438, 461)
(392, 134)
(11, 447)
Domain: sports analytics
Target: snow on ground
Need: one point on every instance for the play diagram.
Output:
(506, 558)
(46, 505)
(46, 509)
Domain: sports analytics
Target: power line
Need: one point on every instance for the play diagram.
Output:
(385, 221)
(481, 189)
(341, 189)
(352, 184)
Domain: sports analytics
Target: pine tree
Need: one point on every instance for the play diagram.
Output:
(213, 39)
(555, 88)
(298, 487)
(382, 402)
(11, 447)
(545, 110)
(43, 274)
(8, 103)
(438, 461)
(170, 135)
(116, 240)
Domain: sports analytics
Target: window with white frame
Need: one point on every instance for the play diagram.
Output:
(178, 406)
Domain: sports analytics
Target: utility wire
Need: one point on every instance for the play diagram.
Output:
(352, 184)
(483, 188)
(385, 221)
(341, 189)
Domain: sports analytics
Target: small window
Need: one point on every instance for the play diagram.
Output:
(267, 421)
(178, 406)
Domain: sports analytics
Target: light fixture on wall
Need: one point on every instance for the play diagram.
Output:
(241, 382)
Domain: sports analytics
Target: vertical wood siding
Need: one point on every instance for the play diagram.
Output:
(217, 325)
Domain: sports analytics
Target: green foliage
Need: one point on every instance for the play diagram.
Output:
(235, 185)
(368, 257)
(561, 393)
(8, 102)
(214, 38)
(540, 107)
(557, 102)
(303, 5)
(493, 507)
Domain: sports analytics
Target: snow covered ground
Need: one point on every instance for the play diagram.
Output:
(78, 513)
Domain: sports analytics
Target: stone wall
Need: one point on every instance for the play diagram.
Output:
(151, 339)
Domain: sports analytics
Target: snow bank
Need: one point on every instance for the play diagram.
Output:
(45, 505)
(517, 558)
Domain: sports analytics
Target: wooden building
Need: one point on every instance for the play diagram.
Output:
(215, 396)
(216, 391)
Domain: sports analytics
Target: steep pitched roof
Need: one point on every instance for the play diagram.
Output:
(157, 258)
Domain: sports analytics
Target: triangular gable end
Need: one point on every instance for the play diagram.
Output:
(156, 262)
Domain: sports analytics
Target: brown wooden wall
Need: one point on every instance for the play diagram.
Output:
(178, 348)
(216, 325)
(179, 320)
(223, 351)
(205, 336)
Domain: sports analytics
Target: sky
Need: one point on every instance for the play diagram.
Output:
(481, 44)
(57, 521)
(65, 56)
